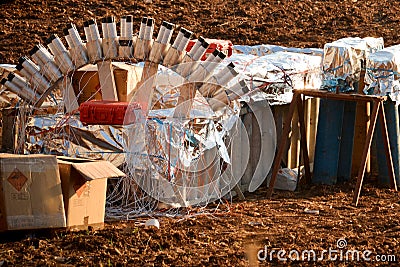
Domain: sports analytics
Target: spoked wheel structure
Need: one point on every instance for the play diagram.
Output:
(179, 145)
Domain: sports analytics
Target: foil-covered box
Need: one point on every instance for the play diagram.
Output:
(344, 59)
(382, 73)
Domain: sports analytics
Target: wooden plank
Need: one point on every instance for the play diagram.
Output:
(107, 81)
(145, 87)
(367, 146)
(314, 112)
(69, 97)
(187, 93)
(340, 96)
(307, 122)
(293, 153)
(300, 109)
(281, 147)
(385, 137)
(362, 123)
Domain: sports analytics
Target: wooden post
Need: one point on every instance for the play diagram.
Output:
(361, 127)
(187, 93)
(367, 146)
(303, 136)
(314, 111)
(378, 110)
(70, 100)
(107, 81)
(293, 153)
(145, 88)
(281, 147)
(388, 154)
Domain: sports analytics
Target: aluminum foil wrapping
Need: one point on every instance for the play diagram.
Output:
(382, 73)
(65, 135)
(343, 61)
(188, 153)
(182, 159)
(277, 74)
(265, 49)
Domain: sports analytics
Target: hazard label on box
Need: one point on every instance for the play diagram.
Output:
(79, 186)
(17, 179)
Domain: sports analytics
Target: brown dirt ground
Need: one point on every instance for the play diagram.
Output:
(233, 235)
(305, 23)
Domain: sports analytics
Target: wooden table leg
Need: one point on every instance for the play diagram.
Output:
(303, 140)
(282, 144)
(367, 146)
(388, 154)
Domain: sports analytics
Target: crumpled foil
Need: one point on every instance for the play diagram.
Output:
(343, 61)
(382, 73)
(265, 49)
(174, 160)
(65, 135)
(277, 74)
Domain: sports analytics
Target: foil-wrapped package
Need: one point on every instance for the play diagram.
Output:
(343, 61)
(265, 49)
(382, 73)
(278, 73)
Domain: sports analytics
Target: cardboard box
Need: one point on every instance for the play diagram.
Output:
(126, 78)
(84, 184)
(87, 85)
(30, 192)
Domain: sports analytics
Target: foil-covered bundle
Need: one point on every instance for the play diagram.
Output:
(277, 74)
(266, 49)
(63, 135)
(344, 60)
(382, 73)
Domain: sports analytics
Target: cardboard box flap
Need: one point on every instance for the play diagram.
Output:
(92, 169)
(97, 170)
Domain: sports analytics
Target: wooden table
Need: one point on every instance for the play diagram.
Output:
(378, 111)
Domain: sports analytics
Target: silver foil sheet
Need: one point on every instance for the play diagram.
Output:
(277, 74)
(382, 73)
(343, 61)
(265, 49)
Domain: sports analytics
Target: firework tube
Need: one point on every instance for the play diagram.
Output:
(61, 54)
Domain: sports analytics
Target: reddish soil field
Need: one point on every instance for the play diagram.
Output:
(235, 232)
(295, 23)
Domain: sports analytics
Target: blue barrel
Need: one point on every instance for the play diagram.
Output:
(327, 147)
(347, 141)
(393, 127)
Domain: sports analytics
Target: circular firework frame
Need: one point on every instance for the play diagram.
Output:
(217, 86)
(186, 156)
